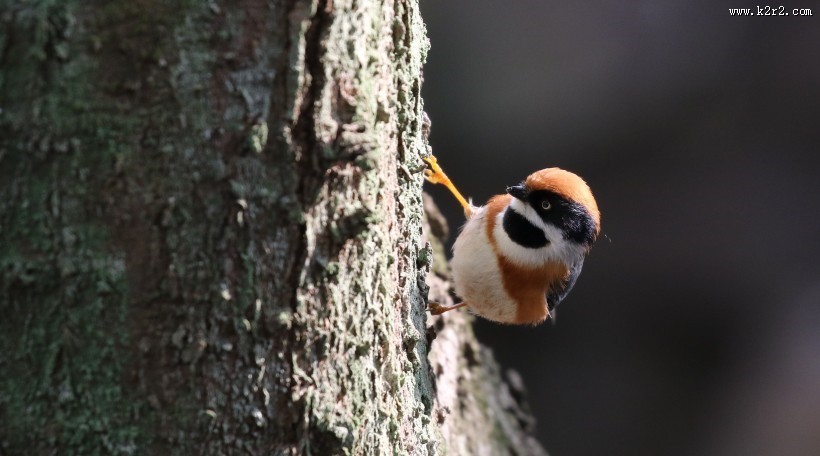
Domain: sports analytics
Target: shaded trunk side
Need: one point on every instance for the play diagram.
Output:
(210, 232)
(211, 222)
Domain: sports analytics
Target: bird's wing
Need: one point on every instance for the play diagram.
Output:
(557, 293)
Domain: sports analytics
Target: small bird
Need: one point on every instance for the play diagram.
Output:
(519, 256)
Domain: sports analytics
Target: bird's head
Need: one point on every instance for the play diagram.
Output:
(558, 201)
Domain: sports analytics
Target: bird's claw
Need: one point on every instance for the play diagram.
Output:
(434, 174)
(436, 309)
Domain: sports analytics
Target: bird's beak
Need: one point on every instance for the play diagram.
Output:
(519, 191)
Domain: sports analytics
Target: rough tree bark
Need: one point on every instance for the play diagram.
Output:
(211, 236)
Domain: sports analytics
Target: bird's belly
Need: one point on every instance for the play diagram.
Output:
(476, 273)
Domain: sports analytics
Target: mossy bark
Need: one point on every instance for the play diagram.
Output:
(210, 229)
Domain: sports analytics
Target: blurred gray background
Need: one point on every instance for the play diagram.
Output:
(695, 327)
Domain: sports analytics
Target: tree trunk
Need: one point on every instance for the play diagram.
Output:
(211, 236)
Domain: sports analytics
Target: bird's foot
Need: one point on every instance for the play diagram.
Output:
(434, 174)
(437, 309)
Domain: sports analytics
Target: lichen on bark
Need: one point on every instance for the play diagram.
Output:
(363, 372)
(211, 229)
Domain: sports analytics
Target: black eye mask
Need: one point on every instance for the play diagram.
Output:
(568, 216)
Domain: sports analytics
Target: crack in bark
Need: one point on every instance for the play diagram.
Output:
(304, 129)
(303, 147)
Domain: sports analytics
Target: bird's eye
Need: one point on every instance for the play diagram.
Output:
(545, 205)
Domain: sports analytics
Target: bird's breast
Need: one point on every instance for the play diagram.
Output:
(476, 272)
(527, 282)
